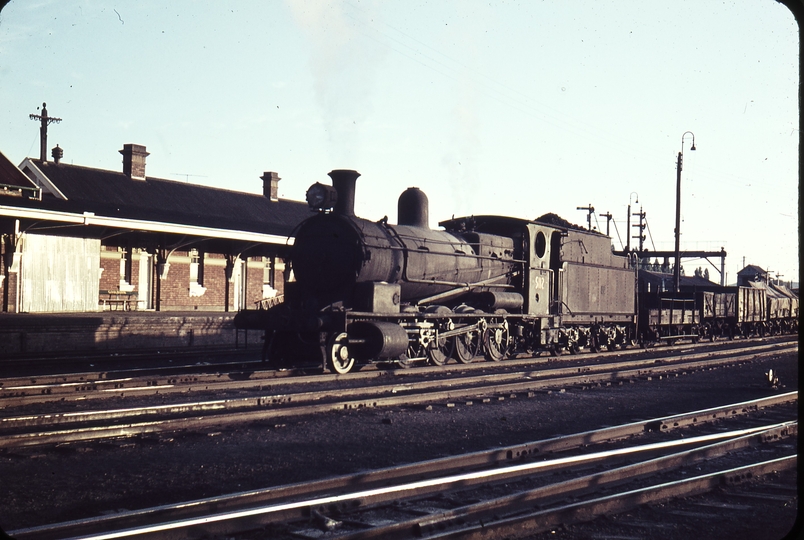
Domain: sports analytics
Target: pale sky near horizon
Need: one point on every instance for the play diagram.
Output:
(501, 107)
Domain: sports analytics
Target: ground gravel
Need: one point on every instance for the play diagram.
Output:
(50, 485)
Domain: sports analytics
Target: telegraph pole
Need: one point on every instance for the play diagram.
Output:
(641, 227)
(45, 120)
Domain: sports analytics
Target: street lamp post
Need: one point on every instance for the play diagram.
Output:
(677, 270)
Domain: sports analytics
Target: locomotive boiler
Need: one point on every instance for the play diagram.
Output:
(335, 253)
(365, 291)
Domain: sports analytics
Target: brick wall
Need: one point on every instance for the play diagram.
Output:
(254, 280)
(176, 286)
(8, 292)
(176, 291)
(215, 280)
(110, 269)
(9, 286)
(25, 334)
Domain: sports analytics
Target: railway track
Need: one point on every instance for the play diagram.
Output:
(20, 391)
(87, 425)
(79, 363)
(53, 427)
(510, 491)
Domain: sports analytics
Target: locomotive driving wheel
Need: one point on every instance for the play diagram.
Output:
(440, 350)
(467, 346)
(496, 342)
(339, 358)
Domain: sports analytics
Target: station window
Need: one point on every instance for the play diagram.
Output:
(125, 268)
(269, 277)
(197, 267)
(197, 273)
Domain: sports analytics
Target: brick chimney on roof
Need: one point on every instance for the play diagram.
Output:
(134, 161)
(270, 185)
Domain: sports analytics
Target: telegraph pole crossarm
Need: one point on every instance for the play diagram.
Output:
(641, 226)
(45, 121)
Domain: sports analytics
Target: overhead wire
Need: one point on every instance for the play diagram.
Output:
(650, 235)
(622, 246)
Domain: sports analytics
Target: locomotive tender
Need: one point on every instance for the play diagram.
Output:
(369, 291)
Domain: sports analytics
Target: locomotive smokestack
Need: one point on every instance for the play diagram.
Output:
(343, 180)
(413, 208)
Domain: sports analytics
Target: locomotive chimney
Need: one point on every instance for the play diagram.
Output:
(343, 180)
(413, 208)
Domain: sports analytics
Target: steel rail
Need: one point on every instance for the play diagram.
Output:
(318, 395)
(544, 496)
(494, 458)
(538, 521)
(40, 383)
(226, 411)
(80, 386)
(19, 394)
(245, 518)
(144, 373)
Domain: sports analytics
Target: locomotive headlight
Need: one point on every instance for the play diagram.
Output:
(321, 196)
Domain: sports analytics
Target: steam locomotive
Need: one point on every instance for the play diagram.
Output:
(494, 286)
(491, 286)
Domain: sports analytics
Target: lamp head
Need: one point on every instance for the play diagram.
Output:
(693, 146)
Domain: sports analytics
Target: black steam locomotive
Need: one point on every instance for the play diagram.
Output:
(484, 286)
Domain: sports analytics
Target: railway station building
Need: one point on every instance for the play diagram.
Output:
(79, 239)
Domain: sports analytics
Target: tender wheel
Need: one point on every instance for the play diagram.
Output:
(440, 351)
(340, 360)
(496, 343)
(467, 346)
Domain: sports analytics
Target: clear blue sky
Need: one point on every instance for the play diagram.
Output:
(516, 108)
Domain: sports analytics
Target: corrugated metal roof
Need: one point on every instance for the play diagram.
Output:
(116, 195)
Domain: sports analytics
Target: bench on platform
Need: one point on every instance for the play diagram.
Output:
(117, 300)
(268, 303)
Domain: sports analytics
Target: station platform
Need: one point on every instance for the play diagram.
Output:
(48, 334)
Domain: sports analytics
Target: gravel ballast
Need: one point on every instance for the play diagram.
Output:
(50, 485)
